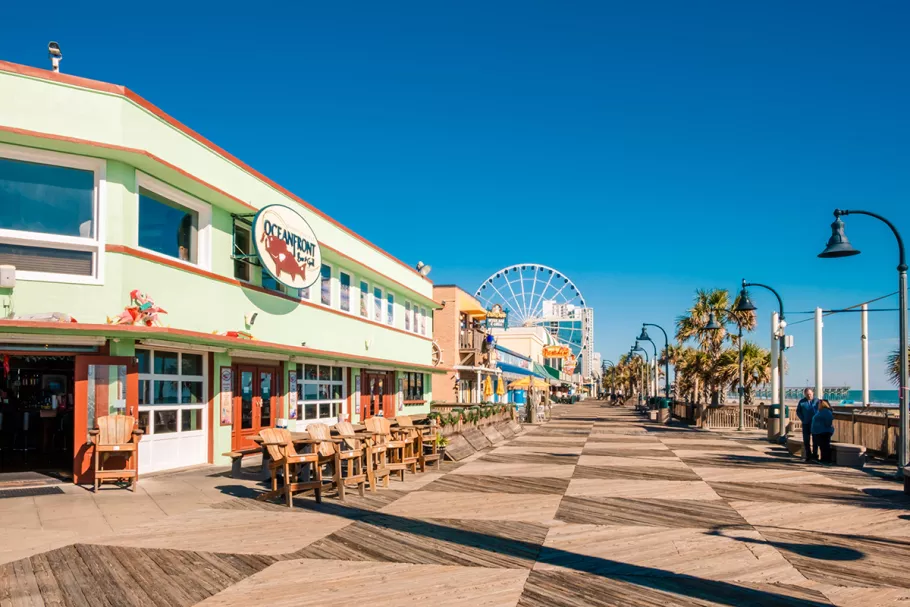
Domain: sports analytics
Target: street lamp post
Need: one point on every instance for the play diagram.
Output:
(612, 366)
(745, 305)
(632, 351)
(839, 246)
(646, 381)
(713, 325)
(644, 337)
(654, 347)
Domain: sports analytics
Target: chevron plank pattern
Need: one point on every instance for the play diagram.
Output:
(596, 507)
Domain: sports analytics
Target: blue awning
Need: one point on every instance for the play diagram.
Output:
(516, 370)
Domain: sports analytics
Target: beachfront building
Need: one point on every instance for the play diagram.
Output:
(211, 302)
(465, 347)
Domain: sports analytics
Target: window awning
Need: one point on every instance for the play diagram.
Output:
(516, 370)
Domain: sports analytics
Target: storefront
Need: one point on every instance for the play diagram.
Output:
(211, 302)
(513, 367)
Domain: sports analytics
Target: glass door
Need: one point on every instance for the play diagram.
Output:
(374, 390)
(105, 385)
(254, 403)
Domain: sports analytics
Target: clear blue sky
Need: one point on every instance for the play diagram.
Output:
(643, 148)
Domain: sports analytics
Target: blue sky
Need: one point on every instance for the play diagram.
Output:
(645, 149)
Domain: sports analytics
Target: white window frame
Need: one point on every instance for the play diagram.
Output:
(423, 320)
(202, 405)
(407, 315)
(331, 285)
(350, 309)
(390, 318)
(369, 296)
(203, 229)
(380, 305)
(242, 226)
(302, 382)
(93, 245)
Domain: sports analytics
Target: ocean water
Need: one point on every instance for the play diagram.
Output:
(883, 397)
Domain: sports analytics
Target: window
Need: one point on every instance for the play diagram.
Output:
(412, 386)
(407, 316)
(171, 392)
(173, 223)
(414, 318)
(390, 316)
(320, 392)
(377, 304)
(167, 227)
(50, 205)
(304, 293)
(243, 245)
(325, 279)
(364, 299)
(423, 321)
(270, 282)
(344, 280)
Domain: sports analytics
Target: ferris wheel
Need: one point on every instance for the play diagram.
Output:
(537, 295)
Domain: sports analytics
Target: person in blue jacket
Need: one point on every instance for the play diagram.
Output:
(805, 411)
(823, 429)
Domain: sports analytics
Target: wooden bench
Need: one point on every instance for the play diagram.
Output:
(237, 458)
(846, 454)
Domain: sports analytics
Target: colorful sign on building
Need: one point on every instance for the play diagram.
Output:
(497, 318)
(287, 246)
(556, 352)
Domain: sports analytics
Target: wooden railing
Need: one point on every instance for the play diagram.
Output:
(470, 339)
(878, 431)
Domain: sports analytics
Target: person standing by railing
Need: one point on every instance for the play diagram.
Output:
(823, 430)
(805, 411)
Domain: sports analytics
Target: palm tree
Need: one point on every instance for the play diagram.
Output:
(714, 365)
(894, 366)
(756, 368)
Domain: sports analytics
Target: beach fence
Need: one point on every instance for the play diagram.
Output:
(877, 430)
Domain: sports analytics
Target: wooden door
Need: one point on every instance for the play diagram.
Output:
(376, 395)
(105, 385)
(255, 402)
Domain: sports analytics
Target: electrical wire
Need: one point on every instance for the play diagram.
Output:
(852, 308)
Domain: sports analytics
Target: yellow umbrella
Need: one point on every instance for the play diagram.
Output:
(500, 387)
(488, 386)
(525, 382)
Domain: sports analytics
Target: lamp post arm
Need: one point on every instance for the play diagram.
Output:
(780, 302)
(902, 267)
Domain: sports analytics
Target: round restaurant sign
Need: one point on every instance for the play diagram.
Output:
(286, 246)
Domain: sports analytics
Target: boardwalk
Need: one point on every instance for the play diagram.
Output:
(597, 507)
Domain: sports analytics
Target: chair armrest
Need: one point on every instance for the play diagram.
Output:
(138, 432)
(94, 432)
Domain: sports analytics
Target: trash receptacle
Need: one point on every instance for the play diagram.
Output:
(778, 416)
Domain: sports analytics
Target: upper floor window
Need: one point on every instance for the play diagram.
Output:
(407, 316)
(364, 299)
(167, 227)
(423, 321)
(243, 245)
(377, 304)
(173, 223)
(390, 314)
(50, 210)
(344, 281)
(325, 280)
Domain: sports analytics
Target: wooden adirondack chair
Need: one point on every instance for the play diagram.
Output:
(373, 458)
(400, 455)
(116, 435)
(284, 457)
(344, 456)
(425, 441)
